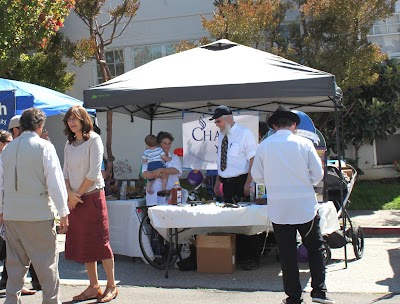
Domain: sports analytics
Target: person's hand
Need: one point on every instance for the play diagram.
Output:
(73, 199)
(158, 173)
(63, 225)
(216, 188)
(246, 188)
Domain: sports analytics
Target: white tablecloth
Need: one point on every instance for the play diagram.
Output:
(202, 219)
(248, 219)
(124, 226)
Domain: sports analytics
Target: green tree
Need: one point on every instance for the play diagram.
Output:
(102, 35)
(27, 25)
(376, 108)
(333, 38)
(46, 67)
(254, 23)
(330, 35)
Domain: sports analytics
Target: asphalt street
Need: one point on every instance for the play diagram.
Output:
(375, 278)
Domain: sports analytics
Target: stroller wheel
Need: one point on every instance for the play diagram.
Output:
(327, 254)
(358, 242)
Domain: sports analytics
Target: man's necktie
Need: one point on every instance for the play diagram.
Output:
(224, 152)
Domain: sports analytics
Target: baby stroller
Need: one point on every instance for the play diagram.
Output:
(336, 181)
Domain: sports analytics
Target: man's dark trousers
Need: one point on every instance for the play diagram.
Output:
(287, 244)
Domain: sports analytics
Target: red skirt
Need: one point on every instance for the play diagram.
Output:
(88, 236)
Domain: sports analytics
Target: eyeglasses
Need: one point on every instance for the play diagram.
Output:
(72, 119)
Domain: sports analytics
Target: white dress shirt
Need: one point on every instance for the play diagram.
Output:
(241, 148)
(289, 166)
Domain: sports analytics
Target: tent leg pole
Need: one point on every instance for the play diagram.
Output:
(339, 154)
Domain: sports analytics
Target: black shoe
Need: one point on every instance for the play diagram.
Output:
(36, 285)
(286, 301)
(251, 265)
(3, 284)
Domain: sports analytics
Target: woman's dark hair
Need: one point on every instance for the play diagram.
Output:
(32, 119)
(162, 135)
(4, 136)
(86, 122)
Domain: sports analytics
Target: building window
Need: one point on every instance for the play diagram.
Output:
(387, 150)
(115, 62)
(389, 26)
(147, 53)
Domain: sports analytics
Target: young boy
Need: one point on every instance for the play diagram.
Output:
(155, 158)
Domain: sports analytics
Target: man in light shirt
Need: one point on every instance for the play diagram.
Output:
(289, 166)
(234, 174)
(30, 174)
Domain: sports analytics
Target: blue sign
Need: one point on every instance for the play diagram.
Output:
(7, 108)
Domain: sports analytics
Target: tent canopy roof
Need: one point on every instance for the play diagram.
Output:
(222, 72)
(31, 95)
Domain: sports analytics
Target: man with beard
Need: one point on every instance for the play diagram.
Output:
(237, 147)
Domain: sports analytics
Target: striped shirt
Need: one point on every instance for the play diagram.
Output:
(151, 155)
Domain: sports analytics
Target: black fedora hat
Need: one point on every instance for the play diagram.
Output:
(221, 111)
(282, 112)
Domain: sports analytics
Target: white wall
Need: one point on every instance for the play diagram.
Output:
(367, 162)
(128, 137)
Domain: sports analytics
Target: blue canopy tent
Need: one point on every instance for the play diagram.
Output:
(29, 95)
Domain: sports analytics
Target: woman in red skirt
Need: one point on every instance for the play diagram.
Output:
(88, 238)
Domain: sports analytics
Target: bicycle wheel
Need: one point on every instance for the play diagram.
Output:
(154, 247)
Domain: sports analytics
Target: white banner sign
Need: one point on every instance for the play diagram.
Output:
(200, 138)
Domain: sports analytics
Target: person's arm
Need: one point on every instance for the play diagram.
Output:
(73, 197)
(216, 186)
(257, 170)
(55, 184)
(246, 188)
(250, 148)
(315, 166)
(95, 158)
(166, 158)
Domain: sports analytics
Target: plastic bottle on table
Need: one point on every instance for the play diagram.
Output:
(252, 191)
(122, 193)
(176, 194)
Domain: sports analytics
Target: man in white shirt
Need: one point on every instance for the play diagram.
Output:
(234, 174)
(289, 166)
(30, 174)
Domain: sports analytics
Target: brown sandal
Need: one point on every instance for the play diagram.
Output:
(27, 292)
(109, 294)
(84, 296)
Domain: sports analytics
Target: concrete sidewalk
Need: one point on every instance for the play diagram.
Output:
(381, 222)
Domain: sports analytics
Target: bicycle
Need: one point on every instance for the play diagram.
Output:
(154, 247)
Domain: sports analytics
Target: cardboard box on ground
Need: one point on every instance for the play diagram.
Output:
(216, 253)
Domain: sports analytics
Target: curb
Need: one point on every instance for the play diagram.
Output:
(381, 230)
